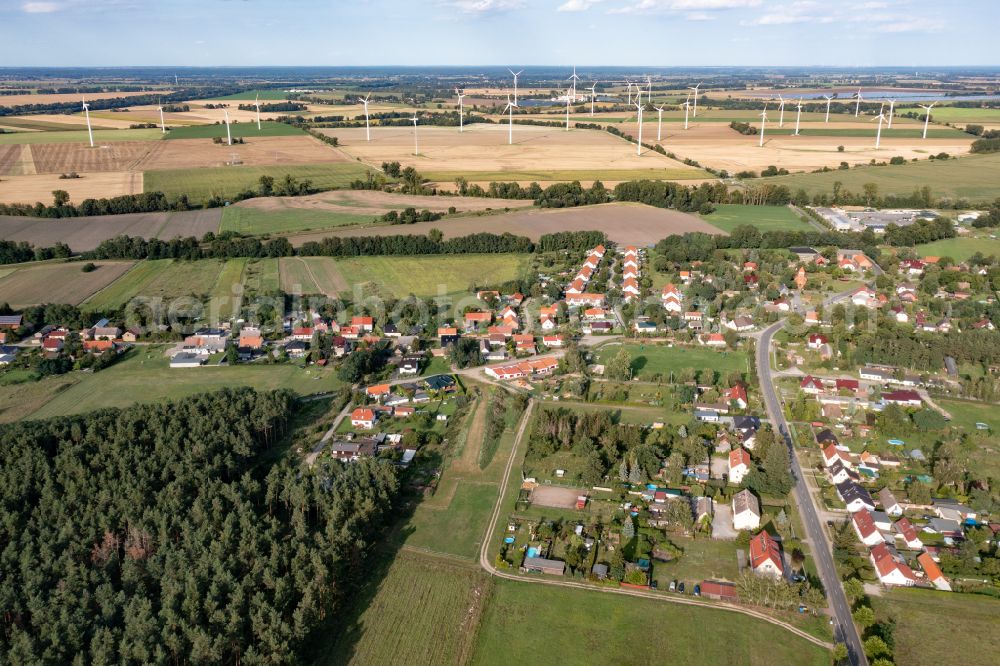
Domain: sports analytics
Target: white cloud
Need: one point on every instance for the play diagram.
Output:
(40, 7)
(693, 8)
(577, 5)
(485, 6)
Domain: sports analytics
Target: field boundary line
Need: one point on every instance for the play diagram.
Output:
(488, 566)
(437, 554)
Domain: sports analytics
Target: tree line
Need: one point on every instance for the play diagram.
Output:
(164, 533)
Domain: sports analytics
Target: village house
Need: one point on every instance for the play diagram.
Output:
(364, 323)
(363, 418)
(889, 503)
(933, 572)
(864, 527)
(746, 511)
(712, 340)
(672, 299)
(582, 299)
(765, 555)
(739, 465)
(889, 569)
(855, 497)
(737, 395)
(905, 531)
(902, 398)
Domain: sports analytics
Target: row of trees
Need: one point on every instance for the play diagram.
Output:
(164, 533)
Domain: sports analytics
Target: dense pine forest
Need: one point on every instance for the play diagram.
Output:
(175, 534)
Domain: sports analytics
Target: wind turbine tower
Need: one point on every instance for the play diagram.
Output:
(857, 106)
(516, 74)
(687, 107)
(368, 132)
(781, 110)
(229, 134)
(510, 121)
(593, 96)
(695, 89)
(892, 105)
(163, 125)
(927, 116)
(828, 100)
(798, 116)
(638, 146)
(659, 121)
(574, 79)
(763, 121)
(878, 134)
(461, 109)
(416, 146)
(256, 102)
(86, 112)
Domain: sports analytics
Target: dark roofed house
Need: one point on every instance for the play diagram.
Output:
(826, 437)
(543, 565)
(10, 321)
(440, 383)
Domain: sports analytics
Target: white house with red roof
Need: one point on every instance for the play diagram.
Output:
(672, 298)
(889, 569)
(589, 300)
(903, 398)
(363, 323)
(811, 385)
(832, 454)
(765, 556)
(933, 572)
(739, 465)
(363, 418)
(816, 340)
(906, 532)
(738, 395)
(712, 340)
(864, 527)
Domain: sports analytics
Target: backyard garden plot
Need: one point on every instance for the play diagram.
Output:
(556, 497)
(34, 284)
(535, 154)
(86, 233)
(630, 223)
(202, 184)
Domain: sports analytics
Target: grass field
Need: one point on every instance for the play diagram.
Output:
(535, 623)
(146, 376)
(766, 218)
(17, 401)
(967, 414)
(583, 175)
(256, 221)
(650, 360)
(264, 94)
(34, 284)
(267, 128)
(423, 611)
(80, 136)
(975, 177)
(201, 184)
(928, 624)
(162, 278)
(426, 276)
(958, 115)
(261, 276)
(960, 249)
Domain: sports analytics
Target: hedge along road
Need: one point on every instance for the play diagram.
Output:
(484, 560)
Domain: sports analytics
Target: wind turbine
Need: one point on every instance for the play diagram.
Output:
(927, 117)
(510, 121)
(798, 116)
(878, 135)
(687, 107)
(892, 105)
(695, 89)
(593, 96)
(781, 108)
(516, 74)
(574, 79)
(638, 146)
(229, 134)
(461, 109)
(629, 89)
(763, 120)
(649, 89)
(163, 125)
(659, 121)
(368, 132)
(256, 102)
(828, 100)
(86, 112)
(857, 106)
(416, 146)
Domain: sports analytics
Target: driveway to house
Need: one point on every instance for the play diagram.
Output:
(487, 564)
(722, 521)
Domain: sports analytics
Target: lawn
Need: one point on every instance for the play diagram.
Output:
(606, 175)
(966, 414)
(424, 610)
(975, 177)
(454, 519)
(541, 624)
(267, 128)
(931, 625)
(652, 359)
(257, 221)
(703, 558)
(766, 218)
(146, 376)
(166, 279)
(80, 136)
(200, 184)
(427, 276)
(960, 248)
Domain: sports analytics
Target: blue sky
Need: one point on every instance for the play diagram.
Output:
(495, 32)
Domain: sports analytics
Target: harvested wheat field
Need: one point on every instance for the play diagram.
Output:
(61, 98)
(29, 189)
(370, 202)
(257, 151)
(33, 284)
(717, 145)
(537, 151)
(86, 233)
(80, 157)
(623, 222)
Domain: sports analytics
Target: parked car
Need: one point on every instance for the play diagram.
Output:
(680, 587)
(697, 590)
(673, 585)
(655, 585)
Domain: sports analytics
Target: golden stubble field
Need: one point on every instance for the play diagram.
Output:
(484, 148)
(716, 145)
(91, 185)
